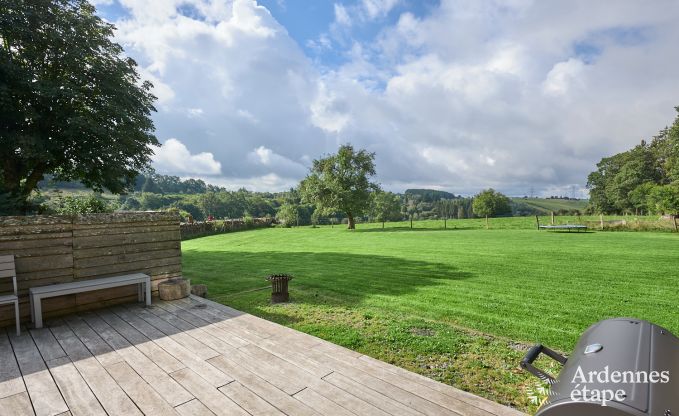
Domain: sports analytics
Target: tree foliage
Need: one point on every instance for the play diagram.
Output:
(341, 182)
(72, 205)
(623, 183)
(491, 203)
(72, 105)
(664, 199)
(385, 206)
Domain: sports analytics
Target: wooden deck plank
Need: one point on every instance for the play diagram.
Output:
(150, 349)
(110, 395)
(262, 387)
(11, 382)
(212, 398)
(143, 395)
(184, 312)
(321, 404)
(249, 401)
(16, 405)
(227, 321)
(393, 392)
(42, 389)
(368, 395)
(214, 338)
(74, 388)
(48, 346)
(112, 398)
(379, 372)
(169, 389)
(207, 371)
(177, 333)
(241, 337)
(193, 408)
(462, 395)
(96, 346)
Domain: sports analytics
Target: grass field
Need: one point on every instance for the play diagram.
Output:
(459, 305)
(545, 205)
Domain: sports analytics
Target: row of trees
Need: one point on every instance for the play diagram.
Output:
(341, 183)
(642, 180)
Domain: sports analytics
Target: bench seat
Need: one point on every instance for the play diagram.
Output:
(36, 294)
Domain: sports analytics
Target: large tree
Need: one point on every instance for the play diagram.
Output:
(72, 105)
(341, 182)
(622, 182)
(490, 203)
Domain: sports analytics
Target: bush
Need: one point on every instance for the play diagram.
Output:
(71, 205)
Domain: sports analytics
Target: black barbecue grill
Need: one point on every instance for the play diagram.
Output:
(620, 367)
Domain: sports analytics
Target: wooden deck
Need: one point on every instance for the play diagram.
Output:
(196, 357)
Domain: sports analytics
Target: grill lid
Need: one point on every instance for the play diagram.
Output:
(615, 345)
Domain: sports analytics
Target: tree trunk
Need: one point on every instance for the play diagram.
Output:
(445, 223)
(382, 224)
(411, 222)
(352, 224)
(487, 227)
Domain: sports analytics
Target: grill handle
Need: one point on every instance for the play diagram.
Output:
(533, 354)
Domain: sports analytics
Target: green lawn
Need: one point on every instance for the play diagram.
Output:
(459, 305)
(546, 205)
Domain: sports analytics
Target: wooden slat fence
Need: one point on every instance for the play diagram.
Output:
(59, 249)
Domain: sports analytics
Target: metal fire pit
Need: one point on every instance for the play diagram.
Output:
(620, 367)
(279, 287)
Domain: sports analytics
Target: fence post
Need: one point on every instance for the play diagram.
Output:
(552, 217)
(676, 227)
(601, 221)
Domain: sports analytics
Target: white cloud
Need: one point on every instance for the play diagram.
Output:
(194, 112)
(173, 157)
(470, 95)
(341, 15)
(378, 8)
(563, 76)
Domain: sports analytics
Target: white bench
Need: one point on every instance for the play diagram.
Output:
(37, 294)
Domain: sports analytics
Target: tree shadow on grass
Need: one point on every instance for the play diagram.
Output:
(347, 278)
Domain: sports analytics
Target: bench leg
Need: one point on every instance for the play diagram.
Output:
(148, 292)
(37, 307)
(16, 317)
(140, 292)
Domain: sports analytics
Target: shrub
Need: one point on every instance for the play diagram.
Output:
(71, 205)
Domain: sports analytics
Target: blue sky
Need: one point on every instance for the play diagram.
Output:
(458, 95)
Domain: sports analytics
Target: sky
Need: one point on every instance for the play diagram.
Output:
(457, 95)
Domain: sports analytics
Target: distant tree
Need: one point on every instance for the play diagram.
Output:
(151, 186)
(385, 206)
(288, 214)
(621, 181)
(209, 203)
(489, 203)
(460, 212)
(638, 197)
(664, 199)
(341, 182)
(445, 209)
(72, 105)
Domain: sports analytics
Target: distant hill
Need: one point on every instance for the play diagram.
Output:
(545, 206)
(430, 195)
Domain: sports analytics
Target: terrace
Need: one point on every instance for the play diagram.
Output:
(197, 357)
(100, 353)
